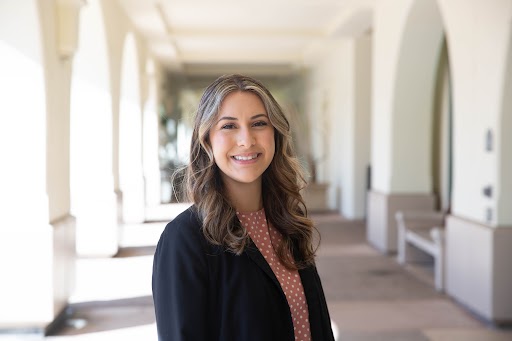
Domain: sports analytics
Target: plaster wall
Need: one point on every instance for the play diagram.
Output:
(389, 23)
(23, 114)
(339, 86)
(408, 36)
(58, 82)
(37, 284)
(362, 127)
(504, 194)
(118, 29)
(477, 268)
(330, 92)
(478, 37)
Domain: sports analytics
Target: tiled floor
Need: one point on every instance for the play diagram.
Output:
(370, 296)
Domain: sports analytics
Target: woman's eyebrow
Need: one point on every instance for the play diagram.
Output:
(257, 116)
(229, 118)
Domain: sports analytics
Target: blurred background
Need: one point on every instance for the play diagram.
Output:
(401, 112)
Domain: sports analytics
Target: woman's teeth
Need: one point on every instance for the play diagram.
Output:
(245, 158)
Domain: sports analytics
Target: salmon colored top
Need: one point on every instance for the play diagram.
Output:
(267, 239)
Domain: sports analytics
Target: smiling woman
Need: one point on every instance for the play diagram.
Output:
(239, 264)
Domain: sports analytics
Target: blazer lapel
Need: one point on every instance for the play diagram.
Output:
(256, 256)
(307, 277)
(311, 289)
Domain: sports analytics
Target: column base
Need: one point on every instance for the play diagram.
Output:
(478, 271)
(381, 229)
(39, 279)
(39, 330)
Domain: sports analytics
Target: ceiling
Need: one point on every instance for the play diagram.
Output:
(264, 36)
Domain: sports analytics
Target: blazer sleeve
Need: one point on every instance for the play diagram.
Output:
(180, 282)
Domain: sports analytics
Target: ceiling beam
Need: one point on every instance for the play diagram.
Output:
(177, 60)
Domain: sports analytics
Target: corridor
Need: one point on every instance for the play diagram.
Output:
(393, 106)
(369, 295)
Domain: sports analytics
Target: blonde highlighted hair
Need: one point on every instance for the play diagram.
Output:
(281, 182)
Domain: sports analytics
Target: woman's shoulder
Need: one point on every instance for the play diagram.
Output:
(189, 217)
(185, 227)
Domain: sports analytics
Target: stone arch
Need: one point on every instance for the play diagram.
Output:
(406, 62)
(93, 201)
(413, 103)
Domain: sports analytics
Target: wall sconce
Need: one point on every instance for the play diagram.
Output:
(68, 12)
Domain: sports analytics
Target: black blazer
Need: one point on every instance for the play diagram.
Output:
(202, 292)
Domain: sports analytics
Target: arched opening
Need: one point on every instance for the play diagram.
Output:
(442, 134)
(130, 136)
(403, 104)
(93, 201)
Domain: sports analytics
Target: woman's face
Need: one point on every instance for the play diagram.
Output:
(242, 139)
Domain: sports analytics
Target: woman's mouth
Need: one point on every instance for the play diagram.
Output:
(245, 157)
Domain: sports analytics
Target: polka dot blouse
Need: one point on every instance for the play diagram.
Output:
(267, 239)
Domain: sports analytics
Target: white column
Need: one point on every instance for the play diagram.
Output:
(93, 201)
(150, 135)
(131, 179)
(407, 41)
(36, 230)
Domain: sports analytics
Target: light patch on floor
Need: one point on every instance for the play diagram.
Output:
(399, 315)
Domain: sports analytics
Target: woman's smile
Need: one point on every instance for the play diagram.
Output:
(247, 158)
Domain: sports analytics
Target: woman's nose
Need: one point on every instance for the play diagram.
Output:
(246, 138)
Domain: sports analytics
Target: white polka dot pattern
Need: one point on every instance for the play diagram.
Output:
(265, 237)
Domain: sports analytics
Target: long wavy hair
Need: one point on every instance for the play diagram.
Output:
(282, 181)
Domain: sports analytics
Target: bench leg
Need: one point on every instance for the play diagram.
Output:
(439, 269)
(401, 246)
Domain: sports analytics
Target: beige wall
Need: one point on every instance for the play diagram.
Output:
(478, 36)
(479, 231)
(408, 36)
(504, 214)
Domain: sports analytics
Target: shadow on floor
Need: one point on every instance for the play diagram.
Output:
(98, 316)
(135, 251)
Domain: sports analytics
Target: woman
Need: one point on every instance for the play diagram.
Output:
(239, 264)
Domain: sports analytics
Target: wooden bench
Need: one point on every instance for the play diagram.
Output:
(421, 233)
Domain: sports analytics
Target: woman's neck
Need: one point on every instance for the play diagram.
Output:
(245, 197)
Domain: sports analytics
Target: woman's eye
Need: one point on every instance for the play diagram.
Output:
(228, 126)
(260, 124)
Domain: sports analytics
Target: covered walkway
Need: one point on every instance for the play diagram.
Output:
(394, 105)
(370, 296)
